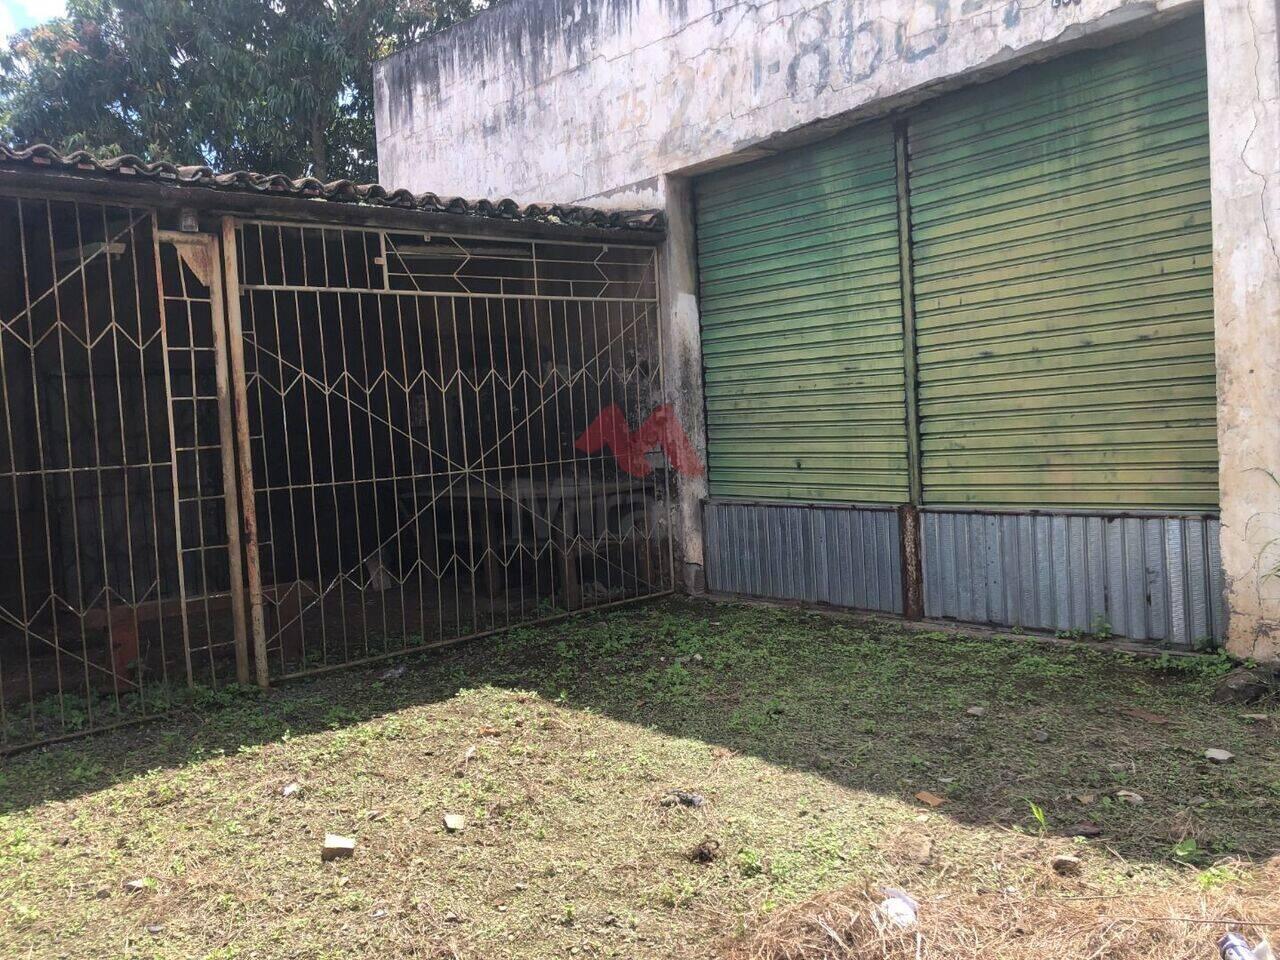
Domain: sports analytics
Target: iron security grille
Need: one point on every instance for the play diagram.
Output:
(413, 407)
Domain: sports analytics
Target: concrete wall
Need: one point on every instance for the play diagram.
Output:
(1244, 146)
(596, 99)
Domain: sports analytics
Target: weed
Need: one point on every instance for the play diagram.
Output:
(750, 863)
(1186, 849)
(1037, 814)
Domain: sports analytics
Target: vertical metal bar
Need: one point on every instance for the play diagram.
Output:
(289, 609)
(597, 464)
(908, 514)
(568, 519)
(351, 444)
(393, 465)
(240, 408)
(339, 539)
(466, 466)
(220, 280)
(527, 425)
(124, 448)
(429, 472)
(310, 487)
(203, 267)
(152, 466)
(17, 499)
(498, 563)
(600, 536)
(268, 527)
(513, 486)
(173, 453)
(97, 469)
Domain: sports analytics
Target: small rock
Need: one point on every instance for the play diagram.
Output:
(393, 673)
(101, 894)
(1128, 796)
(1065, 865)
(1040, 736)
(337, 847)
(1242, 685)
(1214, 755)
(683, 798)
(1086, 799)
(378, 914)
(455, 822)
(291, 790)
(136, 886)
(930, 799)
(976, 711)
(1086, 828)
(155, 929)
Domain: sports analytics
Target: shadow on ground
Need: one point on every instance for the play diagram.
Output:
(998, 729)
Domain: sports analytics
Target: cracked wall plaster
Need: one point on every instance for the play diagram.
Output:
(576, 99)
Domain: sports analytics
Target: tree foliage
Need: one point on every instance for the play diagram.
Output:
(268, 85)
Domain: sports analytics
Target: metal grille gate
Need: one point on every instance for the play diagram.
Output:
(118, 561)
(286, 449)
(414, 406)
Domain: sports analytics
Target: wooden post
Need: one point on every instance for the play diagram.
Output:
(230, 481)
(569, 559)
(240, 393)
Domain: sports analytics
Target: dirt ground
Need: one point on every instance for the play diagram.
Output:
(830, 755)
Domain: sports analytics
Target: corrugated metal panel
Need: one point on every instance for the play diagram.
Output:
(844, 556)
(1147, 578)
(802, 324)
(1063, 283)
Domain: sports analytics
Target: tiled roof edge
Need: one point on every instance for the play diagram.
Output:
(338, 191)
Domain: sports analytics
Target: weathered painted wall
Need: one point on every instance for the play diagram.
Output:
(1244, 127)
(595, 99)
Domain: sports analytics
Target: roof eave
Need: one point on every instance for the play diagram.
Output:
(216, 201)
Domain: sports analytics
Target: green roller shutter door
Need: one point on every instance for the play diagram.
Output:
(1063, 285)
(801, 306)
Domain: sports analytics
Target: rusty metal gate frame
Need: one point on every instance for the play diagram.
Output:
(291, 601)
(89, 648)
(126, 651)
(199, 252)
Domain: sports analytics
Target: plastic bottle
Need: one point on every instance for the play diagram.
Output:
(1232, 946)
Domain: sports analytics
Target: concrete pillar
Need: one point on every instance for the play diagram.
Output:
(682, 362)
(1244, 128)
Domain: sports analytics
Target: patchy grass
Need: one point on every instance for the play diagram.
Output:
(809, 737)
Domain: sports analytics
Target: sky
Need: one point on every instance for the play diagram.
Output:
(16, 14)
